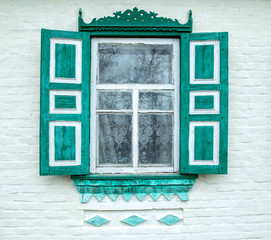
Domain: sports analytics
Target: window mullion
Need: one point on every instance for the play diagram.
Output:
(135, 128)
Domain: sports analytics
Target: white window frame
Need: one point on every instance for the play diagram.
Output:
(135, 88)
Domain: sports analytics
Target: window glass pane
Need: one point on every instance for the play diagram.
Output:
(155, 139)
(114, 100)
(159, 100)
(135, 63)
(115, 138)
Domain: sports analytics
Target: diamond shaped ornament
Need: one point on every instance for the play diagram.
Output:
(170, 219)
(133, 220)
(97, 221)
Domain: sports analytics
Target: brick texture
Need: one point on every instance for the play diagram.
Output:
(233, 206)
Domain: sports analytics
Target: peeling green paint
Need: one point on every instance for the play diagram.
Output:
(62, 101)
(204, 102)
(45, 86)
(204, 142)
(65, 60)
(204, 61)
(204, 68)
(140, 188)
(64, 143)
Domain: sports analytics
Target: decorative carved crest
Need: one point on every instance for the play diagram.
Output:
(135, 20)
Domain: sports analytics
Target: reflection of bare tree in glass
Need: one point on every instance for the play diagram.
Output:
(108, 53)
(135, 63)
(161, 100)
(106, 57)
(150, 65)
(114, 100)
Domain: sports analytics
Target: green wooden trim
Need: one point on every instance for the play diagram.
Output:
(139, 187)
(128, 182)
(204, 102)
(205, 36)
(134, 177)
(185, 168)
(134, 21)
(223, 146)
(64, 60)
(204, 117)
(64, 34)
(65, 170)
(204, 142)
(204, 169)
(86, 58)
(63, 101)
(184, 103)
(134, 34)
(65, 86)
(64, 143)
(45, 117)
(204, 61)
(204, 87)
(65, 117)
(44, 102)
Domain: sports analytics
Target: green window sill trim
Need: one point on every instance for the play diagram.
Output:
(140, 186)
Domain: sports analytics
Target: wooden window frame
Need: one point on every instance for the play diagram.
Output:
(136, 24)
(134, 88)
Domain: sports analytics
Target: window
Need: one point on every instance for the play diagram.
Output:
(135, 103)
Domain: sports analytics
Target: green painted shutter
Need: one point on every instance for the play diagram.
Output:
(64, 107)
(204, 103)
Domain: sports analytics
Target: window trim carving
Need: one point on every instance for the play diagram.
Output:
(135, 21)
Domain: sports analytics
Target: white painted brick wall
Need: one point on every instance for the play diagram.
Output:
(234, 206)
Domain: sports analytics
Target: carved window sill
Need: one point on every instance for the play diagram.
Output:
(113, 186)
